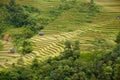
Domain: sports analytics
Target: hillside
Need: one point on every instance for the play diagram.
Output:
(59, 26)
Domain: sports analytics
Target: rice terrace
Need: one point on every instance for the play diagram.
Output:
(59, 39)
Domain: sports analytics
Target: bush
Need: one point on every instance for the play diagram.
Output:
(118, 38)
(66, 5)
(28, 33)
(44, 21)
(1, 29)
(1, 46)
(83, 7)
(31, 9)
(94, 8)
(38, 27)
(55, 12)
(26, 47)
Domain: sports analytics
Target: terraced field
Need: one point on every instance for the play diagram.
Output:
(109, 5)
(51, 45)
(48, 45)
(7, 58)
(105, 26)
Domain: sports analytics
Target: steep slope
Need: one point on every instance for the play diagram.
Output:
(105, 25)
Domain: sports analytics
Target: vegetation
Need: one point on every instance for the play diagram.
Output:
(69, 66)
(17, 15)
(118, 38)
(26, 47)
(1, 46)
(79, 41)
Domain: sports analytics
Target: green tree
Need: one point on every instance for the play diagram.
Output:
(91, 1)
(20, 61)
(118, 38)
(117, 69)
(68, 49)
(1, 46)
(1, 30)
(107, 72)
(76, 49)
(26, 47)
(16, 15)
(28, 33)
(35, 63)
(76, 45)
(12, 3)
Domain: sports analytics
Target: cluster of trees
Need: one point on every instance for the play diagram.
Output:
(18, 15)
(26, 47)
(105, 65)
(89, 8)
(63, 6)
(23, 46)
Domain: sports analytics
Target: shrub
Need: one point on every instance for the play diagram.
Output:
(26, 47)
(55, 12)
(1, 29)
(94, 8)
(83, 7)
(31, 9)
(28, 33)
(66, 5)
(118, 38)
(1, 46)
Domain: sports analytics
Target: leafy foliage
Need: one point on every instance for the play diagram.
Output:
(26, 47)
(2, 30)
(1, 46)
(15, 14)
(118, 38)
(19, 15)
